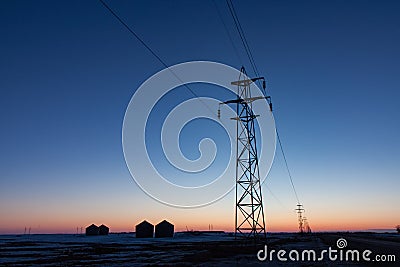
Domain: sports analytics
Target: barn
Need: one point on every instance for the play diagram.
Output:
(164, 229)
(144, 229)
(103, 230)
(92, 230)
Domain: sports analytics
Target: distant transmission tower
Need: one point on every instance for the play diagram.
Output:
(300, 211)
(306, 226)
(249, 215)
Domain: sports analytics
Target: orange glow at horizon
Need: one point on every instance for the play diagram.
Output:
(122, 214)
(70, 225)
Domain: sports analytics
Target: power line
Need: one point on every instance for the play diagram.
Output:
(228, 33)
(286, 164)
(241, 34)
(274, 196)
(153, 53)
(242, 37)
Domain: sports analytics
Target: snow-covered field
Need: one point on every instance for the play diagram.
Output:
(185, 249)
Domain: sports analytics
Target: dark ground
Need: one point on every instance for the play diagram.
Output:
(186, 250)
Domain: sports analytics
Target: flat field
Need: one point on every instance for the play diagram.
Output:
(196, 249)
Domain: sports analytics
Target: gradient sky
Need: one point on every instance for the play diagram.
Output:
(68, 70)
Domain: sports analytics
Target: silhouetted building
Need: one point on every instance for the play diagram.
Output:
(164, 229)
(144, 229)
(103, 230)
(92, 230)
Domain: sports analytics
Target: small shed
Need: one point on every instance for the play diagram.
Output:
(144, 229)
(103, 230)
(164, 229)
(92, 230)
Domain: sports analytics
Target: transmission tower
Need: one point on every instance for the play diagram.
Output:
(249, 215)
(306, 226)
(300, 211)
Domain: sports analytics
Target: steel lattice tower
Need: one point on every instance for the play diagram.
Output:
(249, 215)
(300, 211)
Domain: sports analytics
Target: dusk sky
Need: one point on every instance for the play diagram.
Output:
(69, 69)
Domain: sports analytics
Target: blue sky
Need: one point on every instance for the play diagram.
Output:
(69, 70)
